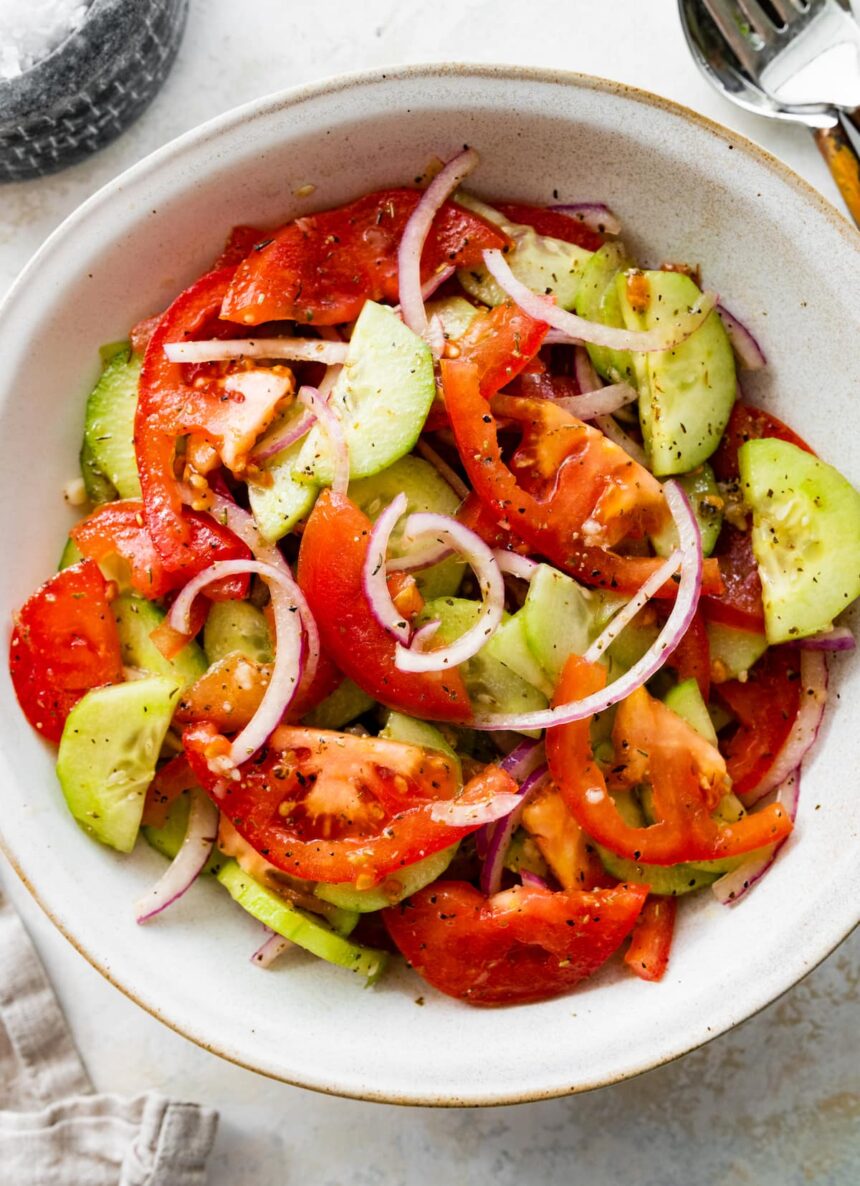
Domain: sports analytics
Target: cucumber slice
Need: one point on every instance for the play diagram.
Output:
(734, 651)
(597, 300)
(382, 397)
(399, 727)
(98, 488)
(107, 756)
(707, 503)
(298, 926)
(665, 880)
(425, 490)
(136, 619)
(523, 853)
(279, 501)
(686, 700)
(687, 394)
(397, 886)
(546, 265)
(560, 618)
(109, 432)
(805, 535)
(510, 646)
(70, 555)
(344, 704)
(455, 313)
(237, 626)
(168, 839)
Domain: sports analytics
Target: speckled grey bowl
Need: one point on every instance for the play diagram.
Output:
(90, 88)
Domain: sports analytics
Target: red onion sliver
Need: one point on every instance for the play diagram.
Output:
(415, 234)
(595, 215)
(287, 670)
(283, 437)
(420, 558)
(628, 612)
(435, 336)
(532, 880)
(268, 951)
(677, 624)
(813, 697)
(374, 572)
(330, 423)
(490, 582)
(516, 565)
(221, 349)
(503, 830)
(443, 469)
(840, 638)
(556, 337)
(583, 368)
(464, 815)
(640, 341)
(435, 282)
(747, 350)
(200, 836)
(523, 759)
(622, 439)
(732, 886)
(597, 404)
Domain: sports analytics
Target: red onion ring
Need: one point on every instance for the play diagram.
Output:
(464, 815)
(747, 350)
(374, 572)
(731, 887)
(589, 382)
(284, 437)
(330, 423)
(415, 234)
(222, 349)
(502, 832)
(435, 282)
(677, 624)
(443, 469)
(183, 870)
(480, 557)
(523, 759)
(598, 404)
(840, 638)
(516, 565)
(639, 341)
(421, 558)
(629, 611)
(595, 215)
(813, 697)
(268, 951)
(532, 880)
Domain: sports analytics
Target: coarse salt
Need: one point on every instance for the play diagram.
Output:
(32, 29)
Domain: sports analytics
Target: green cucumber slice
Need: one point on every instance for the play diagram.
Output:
(136, 619)
(455, 313)
(279, 501)
(665, 880)
(409, 730)
(108, 751)
(168, 839)
(300, 927)
(98, 488)
(510, 645)
(397, 886)
(237, 626)
(701, 488)
(70, 555)
(734, 650)
(425, 490)
(597, 300)
(343, 705)
(685, 699)
(561, 618)
(805, 536)
(382, 397)
(108, 447)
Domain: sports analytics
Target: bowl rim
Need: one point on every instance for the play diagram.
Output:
(286, 98)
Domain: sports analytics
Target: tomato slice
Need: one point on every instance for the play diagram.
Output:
(766, 706)
(170, 782)
(489, 525)
(687, 777)
(121, 529)
(739, 603)
(747, 423)
(651, 942)
(691, 659)
(569, 492)
(501, 343)
(552, 223)
(524, 944)
(240, 243)
(331, 559)
(321, 268)
(64, 642)
(334, 807)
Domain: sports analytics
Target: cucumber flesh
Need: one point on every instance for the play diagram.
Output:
(560, 618)
(409, 730)
(298, 926)
(685, 699)
(701, 488)
(279, 502)
(70, 555)
(237, 626)
(108, 447)
(343, 705)
(455, 313)
(98, 488)
(136, 619)
(733, 651)
(510, 646)
(665, 880)
(168, 839)
(108, 751)
(394, 889)
(597, 300)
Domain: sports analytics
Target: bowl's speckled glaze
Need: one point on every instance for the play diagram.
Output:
(686, 189)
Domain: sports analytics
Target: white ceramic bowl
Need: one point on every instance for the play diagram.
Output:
(686, 190)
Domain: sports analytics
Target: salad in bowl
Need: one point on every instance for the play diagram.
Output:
(438, 591)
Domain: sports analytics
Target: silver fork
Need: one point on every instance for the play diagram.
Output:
(790, 59)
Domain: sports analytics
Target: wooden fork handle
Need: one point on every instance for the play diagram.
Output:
(840, 151)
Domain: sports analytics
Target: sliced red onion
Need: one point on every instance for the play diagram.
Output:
(583, 368)
(557, 337)
(749, 353)
(640, 341)
(222, 349)
(503, 830)
(532, 880)
(268, 952)
(516, 565)
(589, 382)
(523, 759)
(597, 404)
(287, 670)
(623, 440)
(464, 815)
(435, 336)
(595, 215)
(435, 282)
(330, 424)
(415, 234)
(374, 572)
(840, 638)
(420, 558)
(628, 612)
(490, 582)
(283, 437)
(731, 887)
(200, 836)
(813, 697)
(443, 469)
(677, 624)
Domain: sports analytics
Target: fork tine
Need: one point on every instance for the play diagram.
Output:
(759, 20)
(729, 19)
(790, 10)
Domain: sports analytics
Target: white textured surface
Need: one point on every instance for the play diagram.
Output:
(776, 1102)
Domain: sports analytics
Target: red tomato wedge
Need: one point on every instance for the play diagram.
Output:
(740, 602)
(331, 558)
(338, 808)
(524, 944)
(173, 778)
(120, 529)
(651, 942)
(766, 706)
(552, 223)
(747, 423)
(691, 659)
(241, 241)
(64, 642)
(687, 778)
(489, 525)
(572, 486)
(321, 268)
(500, 343)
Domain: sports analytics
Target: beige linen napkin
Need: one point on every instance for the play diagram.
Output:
(54, 1130)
